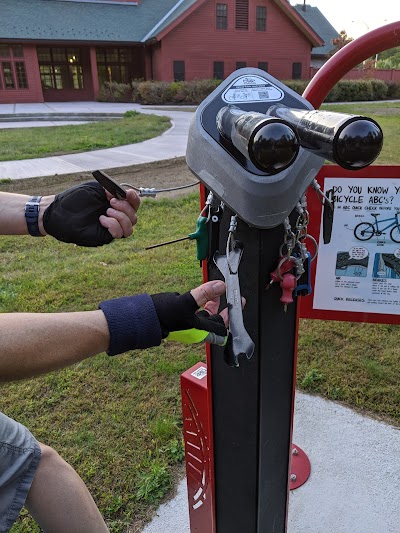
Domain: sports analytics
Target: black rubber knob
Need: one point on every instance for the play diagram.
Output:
(358, 144)
(274, 147)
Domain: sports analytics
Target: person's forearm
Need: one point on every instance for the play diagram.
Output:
(35, 343)
(12, 213)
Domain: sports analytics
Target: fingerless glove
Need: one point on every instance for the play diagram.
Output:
(74, 214)
(179, 311)
(143, 321)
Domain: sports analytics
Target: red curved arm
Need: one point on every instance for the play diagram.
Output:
(348, 57)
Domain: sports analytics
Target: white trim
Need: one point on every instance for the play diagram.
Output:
(162, 20)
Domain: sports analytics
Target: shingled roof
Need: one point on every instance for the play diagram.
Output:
(85, 21)
(315, 19)
(126, 22)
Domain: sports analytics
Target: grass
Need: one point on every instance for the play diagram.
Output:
(28, 143)
(118, 420)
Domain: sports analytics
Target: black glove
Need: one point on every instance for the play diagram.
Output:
(137, 322)
(177, 312)
(74, 214)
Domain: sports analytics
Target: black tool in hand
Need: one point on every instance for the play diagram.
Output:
(109, 184)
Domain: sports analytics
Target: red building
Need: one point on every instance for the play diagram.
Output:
(62, 50)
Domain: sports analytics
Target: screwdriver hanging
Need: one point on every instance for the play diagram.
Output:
(200, 236)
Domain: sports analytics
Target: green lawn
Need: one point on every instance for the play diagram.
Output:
(118, 420)
(28, 143)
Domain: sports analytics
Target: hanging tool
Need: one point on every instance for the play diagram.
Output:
(195, 336)
(117, 190)
(200, 236)
(288, 285)
(239, 341)
(327, 216)
(109, 184)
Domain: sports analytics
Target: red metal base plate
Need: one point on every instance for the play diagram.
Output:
(300, 468)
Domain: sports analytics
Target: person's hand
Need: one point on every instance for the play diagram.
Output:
(142, 321)
(121, 216)
(177, 312)
(87, 215)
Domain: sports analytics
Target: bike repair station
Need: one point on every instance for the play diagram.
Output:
(297, 238)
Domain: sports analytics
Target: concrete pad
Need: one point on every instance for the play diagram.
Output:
(354, 482)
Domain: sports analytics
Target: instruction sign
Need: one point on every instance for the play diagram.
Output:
(252, 88)
(358, 265)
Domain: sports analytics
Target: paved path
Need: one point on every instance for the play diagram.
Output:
(169, 145)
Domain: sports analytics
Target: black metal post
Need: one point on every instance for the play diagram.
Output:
(252, 404)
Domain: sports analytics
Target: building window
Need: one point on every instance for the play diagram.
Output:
(242, 15)
(179, 70)
(263, 65)
(222, 16)
(241, 64)
(296, 71)
(20, 71)
(8, 75)
(17, 50)
(261, 18)
(60, 68)
(218, 70)
(5, 50)
(12, 72)
(114, 64)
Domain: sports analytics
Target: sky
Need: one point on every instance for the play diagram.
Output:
(357, 16)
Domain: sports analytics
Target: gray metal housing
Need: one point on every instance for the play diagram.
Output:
(260, 200)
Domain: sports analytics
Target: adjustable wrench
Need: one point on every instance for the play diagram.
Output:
(239, 341)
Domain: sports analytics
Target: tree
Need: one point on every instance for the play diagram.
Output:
(341, 41)
(389, 58)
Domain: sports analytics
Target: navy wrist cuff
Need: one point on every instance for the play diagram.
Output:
(133, 323)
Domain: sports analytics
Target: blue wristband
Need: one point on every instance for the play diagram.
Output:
(133, 323)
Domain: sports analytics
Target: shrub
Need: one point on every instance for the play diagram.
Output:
(131, 113)
(152, 92)
(334, 94)
(354, 90)
(197, 90)
(194, 92)
(135, 89)
(393, 90)
(297, 86)
(175, 92)
(379, 89)
(111, 91)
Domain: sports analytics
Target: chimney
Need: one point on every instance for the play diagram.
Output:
(304, 8)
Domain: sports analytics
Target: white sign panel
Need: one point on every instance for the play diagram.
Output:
(251, 89)
(359, 269)
(200, 372)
